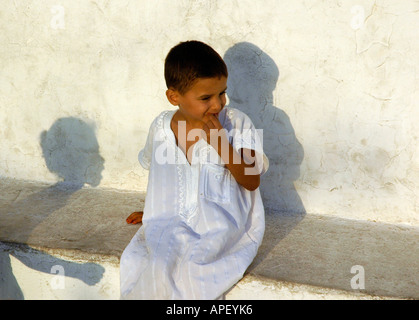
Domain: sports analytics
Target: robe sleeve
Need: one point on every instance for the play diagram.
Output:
(144, 157)
(245, 135)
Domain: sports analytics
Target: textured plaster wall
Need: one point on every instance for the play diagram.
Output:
(333, 84)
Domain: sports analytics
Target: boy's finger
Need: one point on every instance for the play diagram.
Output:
(212, 121)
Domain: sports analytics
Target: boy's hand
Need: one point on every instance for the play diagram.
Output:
(135, 217)
(211, 128)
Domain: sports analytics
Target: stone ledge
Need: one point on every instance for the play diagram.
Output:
(26, 274)
(63, 217)
(321, 251)
(85, 231)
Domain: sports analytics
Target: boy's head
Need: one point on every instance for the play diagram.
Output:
(189, 61)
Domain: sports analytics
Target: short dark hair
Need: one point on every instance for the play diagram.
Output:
(189, 61)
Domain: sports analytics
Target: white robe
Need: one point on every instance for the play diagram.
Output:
(201, 229)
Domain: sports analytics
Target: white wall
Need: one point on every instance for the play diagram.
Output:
(332, 83)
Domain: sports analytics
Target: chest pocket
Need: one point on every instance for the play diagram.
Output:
(215, 183)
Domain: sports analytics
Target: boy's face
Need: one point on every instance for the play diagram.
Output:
(206, 96)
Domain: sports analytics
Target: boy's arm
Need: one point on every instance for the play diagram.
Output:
(240, 164)
(244, 171)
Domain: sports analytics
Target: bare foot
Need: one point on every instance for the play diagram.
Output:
(135, 217)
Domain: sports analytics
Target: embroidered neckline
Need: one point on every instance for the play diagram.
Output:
(163, 122)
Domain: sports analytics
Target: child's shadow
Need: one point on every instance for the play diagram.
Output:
(252, 78)
(71, 151)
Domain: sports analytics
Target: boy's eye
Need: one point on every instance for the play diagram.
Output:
(209, 97)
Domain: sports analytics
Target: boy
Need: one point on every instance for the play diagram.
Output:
(203, 217)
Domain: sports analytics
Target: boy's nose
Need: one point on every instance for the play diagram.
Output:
(215, 111)
(217, 106)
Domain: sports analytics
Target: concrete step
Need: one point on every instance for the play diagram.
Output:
(61, 242)
(35, 273)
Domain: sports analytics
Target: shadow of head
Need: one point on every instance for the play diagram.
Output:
(252, 75)
(71, 151)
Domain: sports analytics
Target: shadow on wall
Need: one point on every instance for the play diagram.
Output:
(71, 151)
(252, 78)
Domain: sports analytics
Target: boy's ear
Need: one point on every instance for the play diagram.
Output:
(173, 96)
